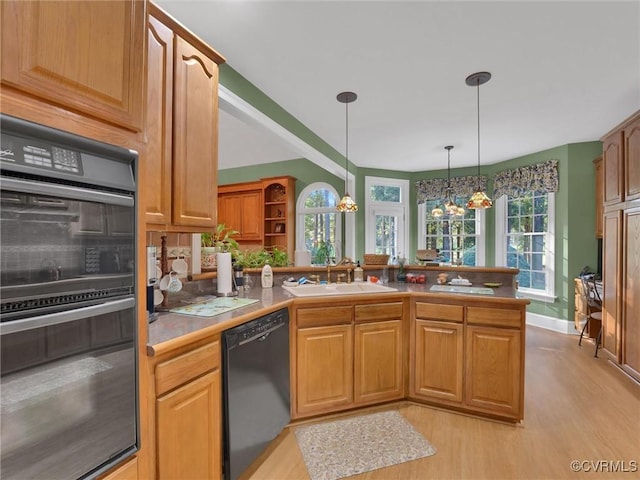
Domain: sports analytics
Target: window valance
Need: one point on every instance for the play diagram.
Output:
(541, 177)
(436, 188)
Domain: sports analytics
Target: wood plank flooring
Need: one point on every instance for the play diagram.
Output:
(577, 408)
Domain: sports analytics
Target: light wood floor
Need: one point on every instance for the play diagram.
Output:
(577, 407)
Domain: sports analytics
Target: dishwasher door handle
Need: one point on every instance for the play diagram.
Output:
(262, 336)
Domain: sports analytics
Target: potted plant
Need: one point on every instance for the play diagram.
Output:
(259, 258)
(219, 240)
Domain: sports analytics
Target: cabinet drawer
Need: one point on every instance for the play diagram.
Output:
(453, 313)
(498, 317)
(378, 311)
(313, 317)
(179, 370)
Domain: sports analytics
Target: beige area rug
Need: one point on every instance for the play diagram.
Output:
(342, 448)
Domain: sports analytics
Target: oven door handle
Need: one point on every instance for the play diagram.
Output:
(65, 192)
(66, 316)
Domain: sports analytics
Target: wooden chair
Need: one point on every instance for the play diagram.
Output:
(593, 301)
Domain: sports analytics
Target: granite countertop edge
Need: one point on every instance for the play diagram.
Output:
(173, 330)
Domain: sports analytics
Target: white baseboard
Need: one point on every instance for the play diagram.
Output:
(551, 323)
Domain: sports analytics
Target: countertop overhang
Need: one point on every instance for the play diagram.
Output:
(173, 330)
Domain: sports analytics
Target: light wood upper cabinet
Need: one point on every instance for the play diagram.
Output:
(182, 128)
(159, 131)
(84, 56)
(621, 231)
(262, 211)
(613, 168)
(195, 139)
(241, 210)
(599, 174)
(632, 158)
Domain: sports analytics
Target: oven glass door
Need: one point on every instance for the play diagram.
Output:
(61, 245)
(68, 396)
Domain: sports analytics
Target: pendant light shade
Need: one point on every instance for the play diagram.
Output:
(479, 199)
(347, 204)
(450, 207)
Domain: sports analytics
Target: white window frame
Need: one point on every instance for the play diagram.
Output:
(301, 211)
(500, 206)
(481, 241)
(400, 210)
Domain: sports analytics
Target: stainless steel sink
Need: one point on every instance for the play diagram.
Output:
(338, 289)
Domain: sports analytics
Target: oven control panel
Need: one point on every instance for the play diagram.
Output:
(28, 152)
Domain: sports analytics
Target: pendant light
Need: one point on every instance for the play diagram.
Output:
(347, 204)
(479, 199)
(450, 207)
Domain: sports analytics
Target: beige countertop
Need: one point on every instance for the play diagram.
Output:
(172, 330)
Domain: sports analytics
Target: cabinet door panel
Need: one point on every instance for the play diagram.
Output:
(613, 174)
(84, 55)
(631, 294)
(229, 212)
(156, 167)
(494, 370)
(251, 222)
(195, 139)
(188, 430)
(324, 368)
(378, 361)
(438, 360)
(599, 174)
(611, 280)
(632, 159)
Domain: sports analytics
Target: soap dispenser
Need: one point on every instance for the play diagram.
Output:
(267, 276)
(358, 273)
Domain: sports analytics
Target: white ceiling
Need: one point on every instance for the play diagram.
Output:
(562, 72)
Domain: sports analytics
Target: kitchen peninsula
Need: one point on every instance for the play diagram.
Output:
(463, 352)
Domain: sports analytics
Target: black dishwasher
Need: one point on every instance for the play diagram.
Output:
(255, 387)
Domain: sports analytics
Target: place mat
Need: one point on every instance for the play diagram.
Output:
(214, 307)
(342, 448)
(462, 289)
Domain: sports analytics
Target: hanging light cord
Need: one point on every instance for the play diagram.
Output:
(478, 111)
(346, 179)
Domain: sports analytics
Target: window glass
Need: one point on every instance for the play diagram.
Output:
(318, 224)
(386, 210)
(385, 193)
(455, 238)
(320, 198)
(526, 239)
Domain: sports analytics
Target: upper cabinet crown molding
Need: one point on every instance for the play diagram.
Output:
(84, 56)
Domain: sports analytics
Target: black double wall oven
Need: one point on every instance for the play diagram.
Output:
(68, 330)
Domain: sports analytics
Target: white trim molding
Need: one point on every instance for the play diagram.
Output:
(551, 323)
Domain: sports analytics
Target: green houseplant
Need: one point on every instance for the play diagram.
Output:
(259, 258)
(219, 240)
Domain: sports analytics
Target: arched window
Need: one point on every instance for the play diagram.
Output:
(318, 223)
